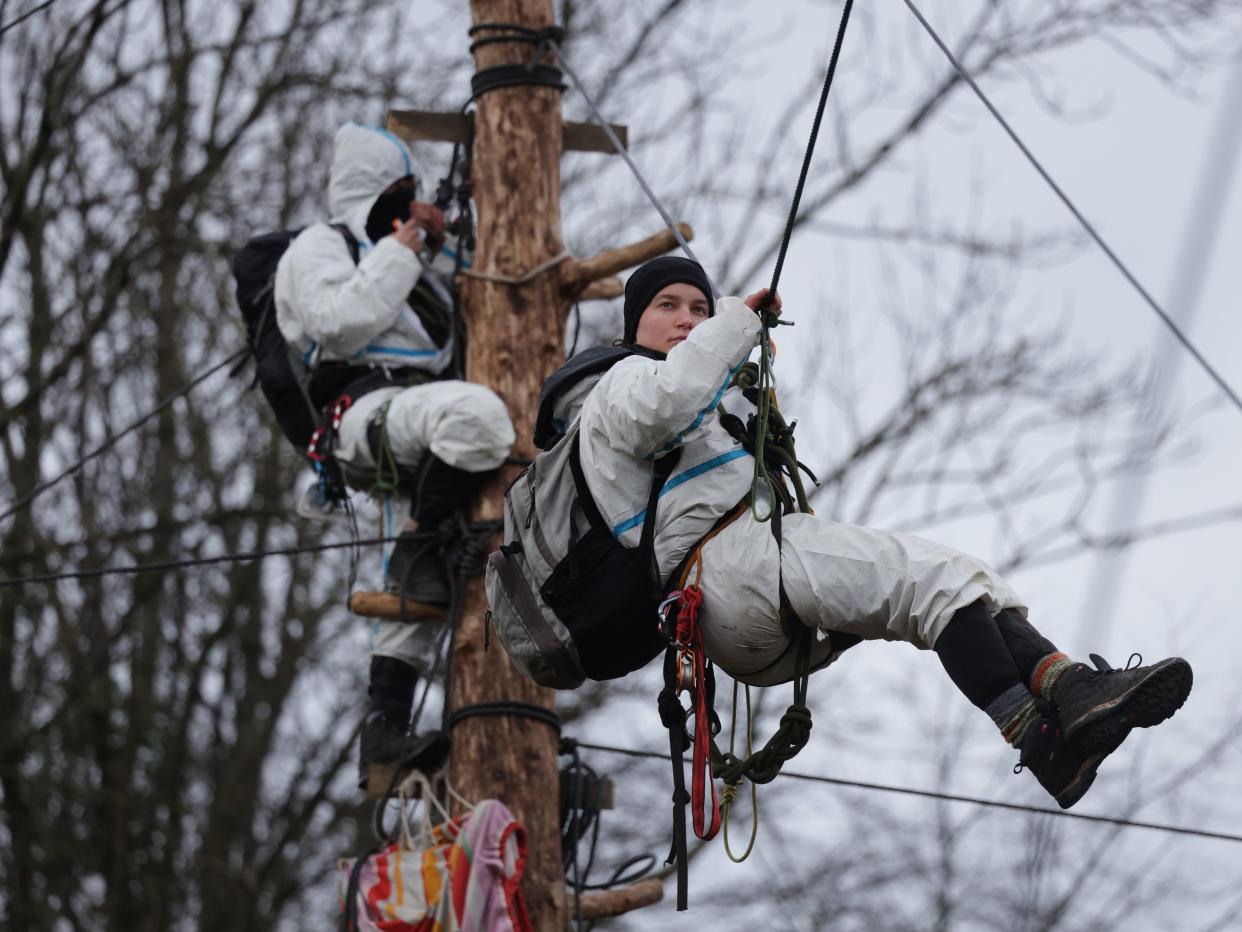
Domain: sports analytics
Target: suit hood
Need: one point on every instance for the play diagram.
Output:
(365, 161)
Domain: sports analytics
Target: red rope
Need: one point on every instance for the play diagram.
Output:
(691, 676)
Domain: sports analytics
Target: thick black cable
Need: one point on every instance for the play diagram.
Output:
(115, 438)
(810, 150)
(191, 561)
(21, 18)
(957, 798)
(1078, 215)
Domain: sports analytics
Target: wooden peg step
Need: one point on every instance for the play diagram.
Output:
(387, 605)
(577, 274)
(604, 903)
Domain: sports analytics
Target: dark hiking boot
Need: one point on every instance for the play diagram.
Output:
(1097, 708)
(416, 570)
(1060, 770)
(388, 748)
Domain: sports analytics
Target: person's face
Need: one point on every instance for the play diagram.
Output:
(674, 311)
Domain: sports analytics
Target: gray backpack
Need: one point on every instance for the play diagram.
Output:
(568, 600)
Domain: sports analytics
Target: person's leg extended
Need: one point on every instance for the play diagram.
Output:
(896, 587)
(1097, 706)
(973, 653)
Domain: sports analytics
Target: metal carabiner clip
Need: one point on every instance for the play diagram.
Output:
(665, 609)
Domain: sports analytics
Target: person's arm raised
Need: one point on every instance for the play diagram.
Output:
(646, 406)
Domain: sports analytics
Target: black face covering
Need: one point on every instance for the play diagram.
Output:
(393, 204)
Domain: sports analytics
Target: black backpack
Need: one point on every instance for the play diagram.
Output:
(568, 600)
(295, 394)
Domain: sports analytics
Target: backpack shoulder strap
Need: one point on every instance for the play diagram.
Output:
(660, 471)
(354, 248)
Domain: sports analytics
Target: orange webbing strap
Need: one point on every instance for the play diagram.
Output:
(695, 559)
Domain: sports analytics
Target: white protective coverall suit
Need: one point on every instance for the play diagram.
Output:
(870, 583)
(330, 309)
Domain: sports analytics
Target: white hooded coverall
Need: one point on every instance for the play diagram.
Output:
(870, 583)
(330, 309)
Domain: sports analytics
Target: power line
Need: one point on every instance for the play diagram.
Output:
(190, 561)
(111, 441)
(1086, 224)
(1194, 255)
(25, 16)
(955, 798)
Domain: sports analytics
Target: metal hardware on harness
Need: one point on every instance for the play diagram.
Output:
(685, 669)
(667, 612)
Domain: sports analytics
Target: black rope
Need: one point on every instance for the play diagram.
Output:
(22, 17)
(491, 79)
(543, 36)
(810, 151)
(508, 708)
(115, 438)
(957, 798)
(545, 39)
(1129, 276)
(580, 789)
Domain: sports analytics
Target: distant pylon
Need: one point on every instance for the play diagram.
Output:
(1194, 255)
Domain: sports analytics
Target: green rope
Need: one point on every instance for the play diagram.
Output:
(729, 792)
(790, 737)
(387, 471)
(763, 411)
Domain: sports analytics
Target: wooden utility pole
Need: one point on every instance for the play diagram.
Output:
(516, 339)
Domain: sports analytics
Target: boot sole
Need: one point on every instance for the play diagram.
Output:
(1148, 702)
(1081, 782)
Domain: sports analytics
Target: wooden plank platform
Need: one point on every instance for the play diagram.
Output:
(387, 605)
(416, 125)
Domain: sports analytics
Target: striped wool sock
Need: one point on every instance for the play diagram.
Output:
(1047, 672)
(1013, 711)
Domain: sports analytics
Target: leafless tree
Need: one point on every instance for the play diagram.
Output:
(175, 747)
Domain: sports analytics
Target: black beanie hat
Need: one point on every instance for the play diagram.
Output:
(650, 277)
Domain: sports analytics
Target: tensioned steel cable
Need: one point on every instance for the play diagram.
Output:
(956, 798)
(115, 438)
(190, 561)
(621, 151)
(21, 18)
(1086, 224)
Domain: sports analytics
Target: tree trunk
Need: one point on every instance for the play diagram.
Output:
(516, 338)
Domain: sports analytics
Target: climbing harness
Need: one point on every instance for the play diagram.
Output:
(687, 670)
(322, 452)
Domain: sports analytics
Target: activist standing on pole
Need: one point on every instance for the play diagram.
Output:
(387, 323)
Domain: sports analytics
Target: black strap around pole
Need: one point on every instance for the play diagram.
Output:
(511, 709)
(491, 79)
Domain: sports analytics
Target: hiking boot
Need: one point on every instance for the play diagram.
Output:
(1097, 708)
(416, 569)
(388, 747)
(1060, 770)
